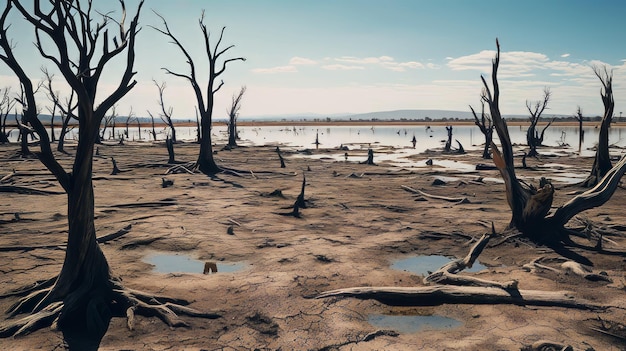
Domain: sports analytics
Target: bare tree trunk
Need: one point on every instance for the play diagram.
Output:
(206, 161)
(602, 161)
(169, 144)
(485, 125)
(449, 141)
(153, 132)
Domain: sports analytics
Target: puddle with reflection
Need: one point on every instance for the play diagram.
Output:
(181, 263)
(423, 264)
(412, 324)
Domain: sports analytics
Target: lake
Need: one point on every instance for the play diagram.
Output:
(363, 137)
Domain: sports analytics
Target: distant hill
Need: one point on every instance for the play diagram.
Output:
(396, 115)
(409, 115)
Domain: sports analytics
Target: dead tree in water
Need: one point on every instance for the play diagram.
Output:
(206, 162)
(166, 113)
(448, 145)
(533, 137)
(581, 132)
(83, 298)
(602, 161)
(485, 125)
(530, 206)
(233, 113)
(6, 104)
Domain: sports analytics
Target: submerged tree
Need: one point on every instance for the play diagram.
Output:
(602, 161)
(485, 125)
(206, 162)
(233, 113)
(81, 300)
(166, 113)
(6, 105)
(581, 132)
(533, 137)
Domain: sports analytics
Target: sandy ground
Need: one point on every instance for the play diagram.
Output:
(358, 221)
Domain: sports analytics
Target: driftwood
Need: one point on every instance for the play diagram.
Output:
(460, 200)
(447, 273)
(444, 294)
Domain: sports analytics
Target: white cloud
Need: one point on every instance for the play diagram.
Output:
(338, 67)
(279, 69)
(365, 60)
(565, 55)
(301, 61)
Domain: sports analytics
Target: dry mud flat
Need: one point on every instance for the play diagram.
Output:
(359, 219)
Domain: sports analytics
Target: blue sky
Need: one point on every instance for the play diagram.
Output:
(346, 56)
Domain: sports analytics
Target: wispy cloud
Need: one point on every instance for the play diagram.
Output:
(386, 62)
(340, 67)
(565, 55)
(301, 61)
(279, 69)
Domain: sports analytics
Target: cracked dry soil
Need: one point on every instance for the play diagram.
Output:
(358, 220)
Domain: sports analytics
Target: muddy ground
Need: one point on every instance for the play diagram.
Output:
(358, 221)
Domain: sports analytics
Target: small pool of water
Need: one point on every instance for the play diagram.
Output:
(412, 324)
(423, 264)
(181, 263)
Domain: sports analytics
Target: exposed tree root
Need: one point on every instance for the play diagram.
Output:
(123, 302)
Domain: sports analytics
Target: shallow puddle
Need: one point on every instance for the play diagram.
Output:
(180, 263)
(412, 324)
(423, 264)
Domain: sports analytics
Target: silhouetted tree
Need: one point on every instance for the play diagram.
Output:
(581, 132)
(6, 104)
(485, 125)
(166, 113)
(233, 113)
(602, 161)
(206, 162)
(533, 137)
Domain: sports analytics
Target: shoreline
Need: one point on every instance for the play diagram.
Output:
(515, 123)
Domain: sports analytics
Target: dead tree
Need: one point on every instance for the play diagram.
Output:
(52, 97)
(233, 113)
(169, 144)
(530, 206)
(602, 161)
(533, 137)
(82, 299)
(448, 145)
(108, 121)
(581, 132)
(6, 104)
(128, 121)
(166, 113)
(153, 131)
(280, 157)
(485, 125)
(206, 162)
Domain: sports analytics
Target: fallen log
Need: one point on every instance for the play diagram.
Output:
(445, 294)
